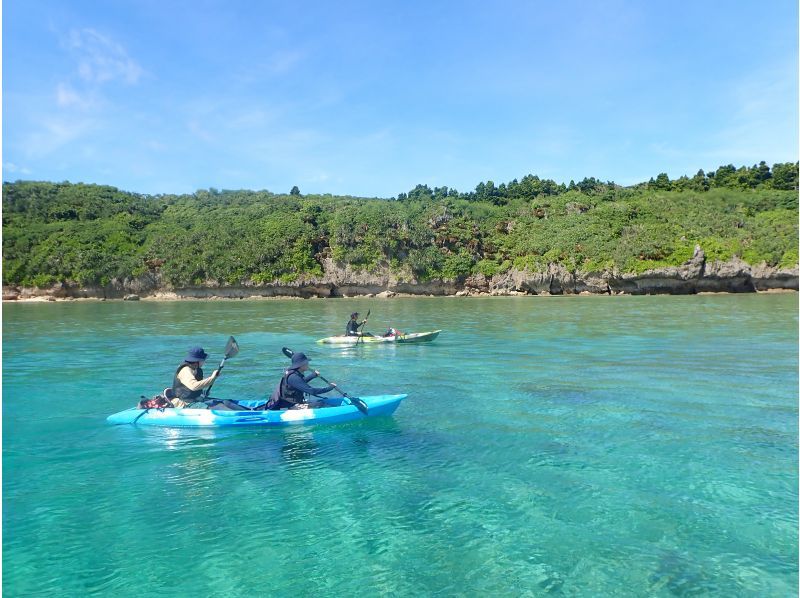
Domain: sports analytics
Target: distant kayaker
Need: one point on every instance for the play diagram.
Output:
(293, 387)
(353, 325)
(188, 383)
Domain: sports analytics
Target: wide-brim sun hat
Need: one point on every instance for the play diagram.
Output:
(299, 359)
(196, 354)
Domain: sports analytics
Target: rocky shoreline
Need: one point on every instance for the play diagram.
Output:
(695, 276)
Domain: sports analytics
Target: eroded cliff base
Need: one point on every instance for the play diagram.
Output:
(695, 276)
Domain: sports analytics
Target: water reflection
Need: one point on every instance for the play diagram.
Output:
(293, 446)
(299, 449)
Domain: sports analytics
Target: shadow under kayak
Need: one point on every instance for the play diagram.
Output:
(338, 411)
(412, 337)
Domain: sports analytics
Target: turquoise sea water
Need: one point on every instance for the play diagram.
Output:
(577, 446)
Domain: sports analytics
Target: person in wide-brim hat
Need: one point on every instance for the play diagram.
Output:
(294, 386)
(188, 383)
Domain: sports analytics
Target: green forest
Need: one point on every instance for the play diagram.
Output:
(92, 234)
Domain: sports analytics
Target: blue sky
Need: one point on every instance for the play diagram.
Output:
(371, 98)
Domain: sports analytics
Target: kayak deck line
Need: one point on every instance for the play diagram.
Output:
(335, 411)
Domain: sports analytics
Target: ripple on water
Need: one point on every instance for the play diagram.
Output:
(575, 446)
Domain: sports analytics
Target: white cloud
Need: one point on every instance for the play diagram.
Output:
(319, 177)
(54, 134)
(198, 131)
(10, 167)
(760, 122)
(763, 124)
(279, 62)
(67, 97)
(283, 62)
(78, 105)
(101, 59)
(156, 145)
(252, 118)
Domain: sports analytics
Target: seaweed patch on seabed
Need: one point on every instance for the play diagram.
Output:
(558, 394)
(549, 453)
(548, 580)
(680, 576)
(762, 438)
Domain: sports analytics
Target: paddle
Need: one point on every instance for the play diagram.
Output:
(231, 350)
(361, 334)
(355, 401)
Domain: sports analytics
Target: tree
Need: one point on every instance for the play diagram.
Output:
(589, 185)
(759, 174)
(699, 181)
(93, 234)
(662, 182)
(784, 176)
(295, 191)
(421, 193)
(725, 176)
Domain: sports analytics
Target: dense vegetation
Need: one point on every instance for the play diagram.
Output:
(91, 234)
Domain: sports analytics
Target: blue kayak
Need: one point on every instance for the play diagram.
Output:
(336, 411)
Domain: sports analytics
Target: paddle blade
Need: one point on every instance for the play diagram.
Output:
(288, 352)
(232, 348)
(359, 404)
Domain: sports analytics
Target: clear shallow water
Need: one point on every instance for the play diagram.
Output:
(578, 446)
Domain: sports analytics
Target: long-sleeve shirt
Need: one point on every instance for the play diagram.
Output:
(353, 326)
(187, 379)
(299, 382)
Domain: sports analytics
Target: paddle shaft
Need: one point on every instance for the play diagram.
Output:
(355, 401)
(231, 350)
(219, 369)
(326, 381)
(363, 332)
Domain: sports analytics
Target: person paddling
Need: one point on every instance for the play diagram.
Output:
(353, 325)
(293, 387)
(188, 385)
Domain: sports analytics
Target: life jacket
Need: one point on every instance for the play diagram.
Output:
(184, 392)
(352, 328)
(284, 395)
